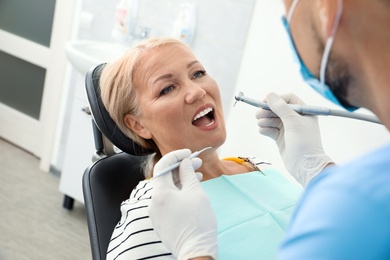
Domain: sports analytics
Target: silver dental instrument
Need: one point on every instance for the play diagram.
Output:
(310, 110)
(175, 165)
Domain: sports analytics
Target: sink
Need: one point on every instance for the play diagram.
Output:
(85, 54)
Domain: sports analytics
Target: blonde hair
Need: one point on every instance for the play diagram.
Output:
(118, 91)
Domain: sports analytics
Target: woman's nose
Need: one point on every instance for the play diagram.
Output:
(195, 93)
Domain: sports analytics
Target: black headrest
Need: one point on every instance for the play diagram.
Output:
(102, 118)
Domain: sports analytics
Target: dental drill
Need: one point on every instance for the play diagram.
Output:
(310, 110)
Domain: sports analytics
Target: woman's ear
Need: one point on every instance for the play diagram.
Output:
(133, 123)
(327, 14)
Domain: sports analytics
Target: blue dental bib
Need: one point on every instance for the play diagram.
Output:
(252, 211)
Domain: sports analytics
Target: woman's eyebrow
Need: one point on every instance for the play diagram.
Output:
(191, 63)
(165, 76)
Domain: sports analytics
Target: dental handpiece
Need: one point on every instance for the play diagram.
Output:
(175, 165)
(310, 110)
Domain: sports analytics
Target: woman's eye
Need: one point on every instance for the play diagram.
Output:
(199, 73)
(166, 90)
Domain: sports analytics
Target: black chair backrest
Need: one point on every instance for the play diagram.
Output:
(110, 180)
(106, 183)
(102, 119)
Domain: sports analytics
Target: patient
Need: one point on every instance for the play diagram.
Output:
(160, 95)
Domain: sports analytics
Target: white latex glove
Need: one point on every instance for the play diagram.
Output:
(181, 214)
(298, 137)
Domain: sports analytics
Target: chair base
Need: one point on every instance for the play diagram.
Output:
(68, 202)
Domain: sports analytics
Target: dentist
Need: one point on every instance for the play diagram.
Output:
(344, 50)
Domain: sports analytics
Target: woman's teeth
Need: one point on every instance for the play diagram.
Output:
(203, 113)
(212, 122)
(205, 118)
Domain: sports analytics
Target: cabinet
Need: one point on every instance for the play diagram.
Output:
(79, 148)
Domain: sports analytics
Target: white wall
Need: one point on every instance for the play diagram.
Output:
(267, 65)
(221, 32)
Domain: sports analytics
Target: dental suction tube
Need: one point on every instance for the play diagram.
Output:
(310, 110)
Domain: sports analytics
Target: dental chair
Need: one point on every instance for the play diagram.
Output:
(115, 171)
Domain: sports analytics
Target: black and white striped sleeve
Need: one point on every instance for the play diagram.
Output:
(133, 236)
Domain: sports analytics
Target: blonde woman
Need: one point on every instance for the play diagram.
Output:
(161, 96)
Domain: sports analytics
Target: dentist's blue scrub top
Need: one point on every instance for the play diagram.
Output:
(344, 213)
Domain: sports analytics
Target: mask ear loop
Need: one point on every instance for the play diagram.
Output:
(291, 11)
(329, 43)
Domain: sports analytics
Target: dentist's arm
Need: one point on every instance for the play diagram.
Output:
(298, 137)
(180, 210)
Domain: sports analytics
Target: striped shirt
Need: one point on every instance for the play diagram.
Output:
(133, 236)
(252, 210)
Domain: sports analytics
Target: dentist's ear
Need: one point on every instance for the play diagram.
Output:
(328, 10)
(134, 124)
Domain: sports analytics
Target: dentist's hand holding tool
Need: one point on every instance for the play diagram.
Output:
(298, 137)
(180, 210)
(177, 164)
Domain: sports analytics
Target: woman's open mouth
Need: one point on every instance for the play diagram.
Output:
(204, 118)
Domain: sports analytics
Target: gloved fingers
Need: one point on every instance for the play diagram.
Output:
(270, 126)
(270, 132)
(265, 113)
(274, 122)
(199, 175)
(188, 178)
(279, 106)
(171, 158)
(165, 181)
(291, 98)
(176, 179)
(196, 163)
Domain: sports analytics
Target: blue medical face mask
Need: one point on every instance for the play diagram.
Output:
(318, 85)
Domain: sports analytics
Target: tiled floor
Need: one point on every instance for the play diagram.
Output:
(33, 224)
